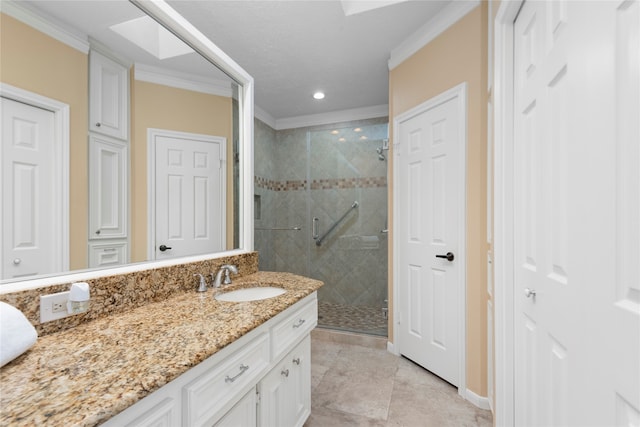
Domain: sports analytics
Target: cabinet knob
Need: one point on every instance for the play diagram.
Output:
(285, 372)
(17, 261)
(98, 125)
(98, 232)
(296, 360)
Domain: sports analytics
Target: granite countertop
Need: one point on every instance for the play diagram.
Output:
(86, 375)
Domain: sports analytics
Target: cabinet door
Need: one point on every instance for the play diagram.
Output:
(108, 97)
(107, 188)
(275, 397)
(243, 413)
(285, 393)
(300, 377)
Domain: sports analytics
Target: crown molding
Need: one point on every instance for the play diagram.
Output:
(45, 24)
(333, 117)
(264, 117)
(181, 80)
(448, 16)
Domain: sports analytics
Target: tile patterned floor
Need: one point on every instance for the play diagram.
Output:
(356, 385)
(361, 319)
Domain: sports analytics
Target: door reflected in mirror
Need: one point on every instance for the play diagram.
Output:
(113, 151)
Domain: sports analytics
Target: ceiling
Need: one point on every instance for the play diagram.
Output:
(293, 48)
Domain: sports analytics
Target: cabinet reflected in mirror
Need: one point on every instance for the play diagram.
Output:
(112, 152)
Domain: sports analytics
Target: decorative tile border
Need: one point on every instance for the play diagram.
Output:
(321, 184)
(340, 183)
(272, 185)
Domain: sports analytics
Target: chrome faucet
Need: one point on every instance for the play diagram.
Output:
(202, 287)
(218, 281)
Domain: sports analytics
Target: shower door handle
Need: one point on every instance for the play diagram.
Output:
(314, 229)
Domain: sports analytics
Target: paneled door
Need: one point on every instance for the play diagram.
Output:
(577, 213)
(29, 223)
(190, 194)
(430, 216)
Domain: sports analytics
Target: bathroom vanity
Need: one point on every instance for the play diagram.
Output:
(189, 360)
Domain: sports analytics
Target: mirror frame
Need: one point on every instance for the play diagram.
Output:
(164, 14)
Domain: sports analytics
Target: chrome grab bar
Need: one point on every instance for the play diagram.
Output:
(280, 228)
(314, 228)
(335, 224)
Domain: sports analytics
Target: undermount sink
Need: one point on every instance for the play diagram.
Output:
(250, 294)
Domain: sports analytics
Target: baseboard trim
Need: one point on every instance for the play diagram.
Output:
(391, 348)
(479, 401)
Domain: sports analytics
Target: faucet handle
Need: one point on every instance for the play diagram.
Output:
(228, 268)
(202, 287)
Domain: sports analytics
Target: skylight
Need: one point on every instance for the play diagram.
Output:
(353, 7)
(152, 37)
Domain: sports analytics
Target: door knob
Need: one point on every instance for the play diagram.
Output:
(449, 256)
(529, 293)
(164, 248)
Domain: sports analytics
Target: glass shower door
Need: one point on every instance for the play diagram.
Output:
(347, 208)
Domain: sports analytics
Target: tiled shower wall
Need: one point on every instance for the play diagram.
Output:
(295, 185)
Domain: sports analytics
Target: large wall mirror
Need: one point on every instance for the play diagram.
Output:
(126, 140)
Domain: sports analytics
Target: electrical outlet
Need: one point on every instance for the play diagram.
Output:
(53, 306)
(57, 307)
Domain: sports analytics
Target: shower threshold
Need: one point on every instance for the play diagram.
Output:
(359, 319)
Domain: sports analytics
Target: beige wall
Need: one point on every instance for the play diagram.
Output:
(163, 107)
(38, 63)
(458, 55)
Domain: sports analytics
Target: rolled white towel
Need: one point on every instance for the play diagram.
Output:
(17, 335)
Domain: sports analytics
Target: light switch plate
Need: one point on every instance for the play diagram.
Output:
(53, 306)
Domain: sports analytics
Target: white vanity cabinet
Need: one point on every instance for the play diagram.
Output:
(243, 413)
(108, 97)
(260, 379)
(285, 393)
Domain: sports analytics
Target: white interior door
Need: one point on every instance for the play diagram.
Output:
(28, 225)
(430, 219)
(190, 194)
(576, 213)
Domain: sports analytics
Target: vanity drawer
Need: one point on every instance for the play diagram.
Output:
(103, 254)
(293, 328)
(206, 397)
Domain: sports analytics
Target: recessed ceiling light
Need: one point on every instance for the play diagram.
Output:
(342, 139)
(318, 95)
(357, 130)
(364, 137)
(335, 132)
